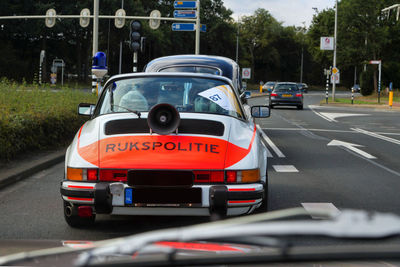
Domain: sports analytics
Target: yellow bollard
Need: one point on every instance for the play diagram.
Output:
(261, 88)
(391, 98)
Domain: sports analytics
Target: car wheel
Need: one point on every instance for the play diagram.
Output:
(300, 107)
(72, 218)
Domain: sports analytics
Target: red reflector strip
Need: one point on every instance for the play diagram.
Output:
(197, 246)
(80, 187)
(241, 189)
(80, 198)
(241, 201)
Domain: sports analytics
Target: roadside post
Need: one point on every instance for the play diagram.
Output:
(327, 72)
(261, 86)
(42, 55)
(379, 63)
(99, 69)
(390, 94)
(352, 96)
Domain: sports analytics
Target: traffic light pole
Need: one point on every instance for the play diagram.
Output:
(334, 53)
(95, 26)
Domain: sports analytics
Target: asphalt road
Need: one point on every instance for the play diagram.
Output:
(303, 169)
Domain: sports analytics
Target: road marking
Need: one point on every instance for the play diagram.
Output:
(321, 207)
(326, 130)
(333, 116)
(270, 143)
(285, 168)
(392, 140)
(351, 147)
(322, 116)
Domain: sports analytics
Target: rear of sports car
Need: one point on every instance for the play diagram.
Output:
(117, 164)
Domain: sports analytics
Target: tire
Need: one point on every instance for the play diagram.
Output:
(72, 218)
(300, 107)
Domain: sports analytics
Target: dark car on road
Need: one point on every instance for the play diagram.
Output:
(303, 87)
(268, 86)
(356, 88)
(286, 94)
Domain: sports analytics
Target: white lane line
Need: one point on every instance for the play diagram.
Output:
(321, 207)
(392, 140)
(269, 154)
(270, 143)
(284, 168)
(333, 116)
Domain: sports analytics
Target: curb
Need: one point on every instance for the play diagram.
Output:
(17, 174)
(365, 106)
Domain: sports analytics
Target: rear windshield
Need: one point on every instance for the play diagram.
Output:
(195, 69)
(286, 87)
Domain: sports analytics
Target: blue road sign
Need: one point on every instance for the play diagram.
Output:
(203, 27)
(185, 4)
(183, 26)
(390, 86)
(187, 14)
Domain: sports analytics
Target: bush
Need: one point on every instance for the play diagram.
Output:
(367, 83)
(33, 118)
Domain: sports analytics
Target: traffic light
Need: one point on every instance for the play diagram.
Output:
(134, 35)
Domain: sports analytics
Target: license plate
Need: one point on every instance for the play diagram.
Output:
(128, 196)
(286, 95)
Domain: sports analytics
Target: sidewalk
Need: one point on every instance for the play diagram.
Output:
(25, 166)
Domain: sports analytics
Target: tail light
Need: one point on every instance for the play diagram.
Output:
(209, 176)
(92, 174)
(299, 95)
(244, 176)
(274, 94)
(113, 175)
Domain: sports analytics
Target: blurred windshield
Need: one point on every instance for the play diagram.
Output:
(187, 94)
(195, 69)
(286, 87)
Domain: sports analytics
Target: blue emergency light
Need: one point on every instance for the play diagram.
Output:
(99, 65)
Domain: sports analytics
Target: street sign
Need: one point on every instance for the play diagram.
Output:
(203, 27)
(326, 43)
(335, 78)
(84, 21)
(187, 14)
(120, 22)
(183, 26)
(246, 73)
(154, 23)
(50, 21)
(185, 4)
(374, 62)
(335, 70)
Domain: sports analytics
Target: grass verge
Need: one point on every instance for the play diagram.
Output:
(33, 118)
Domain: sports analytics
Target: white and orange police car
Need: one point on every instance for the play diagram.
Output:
(165, 144)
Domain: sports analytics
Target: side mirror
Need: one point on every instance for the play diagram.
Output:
(260, 111)
(247, 94)
(86, 109)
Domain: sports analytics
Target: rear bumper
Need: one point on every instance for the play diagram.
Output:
(110, 198)
(287, 102)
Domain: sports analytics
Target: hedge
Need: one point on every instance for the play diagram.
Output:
(35, 118)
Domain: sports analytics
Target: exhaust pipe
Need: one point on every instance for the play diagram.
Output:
(68, 211)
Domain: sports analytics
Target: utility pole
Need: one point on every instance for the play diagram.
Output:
(334, 51)
(120, 47)
(237, 42)
(197, 48)
(95, 26)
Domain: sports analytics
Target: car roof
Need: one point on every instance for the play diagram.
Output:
(167, 74)
(226, 65)
(290, 83)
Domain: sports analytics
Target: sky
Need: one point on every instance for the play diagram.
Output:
(290, 12)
